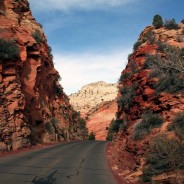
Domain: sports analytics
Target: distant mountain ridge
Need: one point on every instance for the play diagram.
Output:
(93, 94)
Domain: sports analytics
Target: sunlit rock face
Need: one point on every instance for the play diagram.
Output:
(34, 108)
(99, 118)
(91, 95)
(146, 87)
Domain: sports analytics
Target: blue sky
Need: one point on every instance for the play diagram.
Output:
(91, 39)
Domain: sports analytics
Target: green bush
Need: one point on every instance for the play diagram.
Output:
(164, 155)
(49, 127)
(170, 84)
(125, 76)
(128, 93)
(178, 125)
(161, 46)
(150, 62)
(116, 125)
(33, 135)
(113, 128)
(150, 36)
(54, 121)
(157, 21)
(168, 69)
(58, 89)
(80, 124)
(171, 24)
(37, 36)
(92, 136)
(50, 52)
(8, 50)
(148, 122)
(137, 45)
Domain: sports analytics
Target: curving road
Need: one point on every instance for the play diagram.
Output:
(70, 163)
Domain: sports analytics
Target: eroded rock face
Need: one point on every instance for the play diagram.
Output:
(130, 154)
(33, 106)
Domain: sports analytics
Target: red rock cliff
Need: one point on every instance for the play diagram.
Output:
(150, 90)
(33, 107)
(99, 118)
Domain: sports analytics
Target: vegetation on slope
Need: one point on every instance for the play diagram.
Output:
(8, 50)
(164, 67)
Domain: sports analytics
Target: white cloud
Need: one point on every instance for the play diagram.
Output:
(78, 69)
(67, 5)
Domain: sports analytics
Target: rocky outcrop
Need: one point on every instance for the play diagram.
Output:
(33, 106)
(91, 95)
(99, 118)
(150, 86)
(96, 103)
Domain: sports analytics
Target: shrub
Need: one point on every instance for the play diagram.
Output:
(157, 21)
(109, 136)
(37, 36)
(92, 136)
(128, 93)
(2, 12)
(160, 46)
(150, 62)
(58, 89)
(33, 135)
(182, 21)
(116, 125)
(178, 125)
(137, 45)
(125, 76)
(8, 50)
(164, 155)
(179, 39)
(113, 128)
(133, 66)
(54, 121)
(155, 73)
(50, 52)
(150, 36)
(170, 69)
(148, 122)
(49, 127)
(170, 84)
(171, 24)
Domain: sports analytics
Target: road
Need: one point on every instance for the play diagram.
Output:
(70, 163)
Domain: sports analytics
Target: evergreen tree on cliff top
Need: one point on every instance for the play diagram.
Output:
(157, 21)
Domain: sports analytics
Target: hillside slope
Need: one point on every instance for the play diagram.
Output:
(99, 118)
(92, 95)
(33, 106)
(96, 103)
(149, 128)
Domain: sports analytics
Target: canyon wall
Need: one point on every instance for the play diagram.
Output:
(149, 122)
(33, 106)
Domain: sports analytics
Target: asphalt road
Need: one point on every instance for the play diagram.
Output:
(70, 163)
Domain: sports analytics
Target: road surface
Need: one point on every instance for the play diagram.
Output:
(70, 163)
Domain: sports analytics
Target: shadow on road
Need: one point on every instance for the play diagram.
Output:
(47, 180)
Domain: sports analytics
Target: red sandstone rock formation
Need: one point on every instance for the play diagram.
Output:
(129, 154)
(99, 118)
(33, 106)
